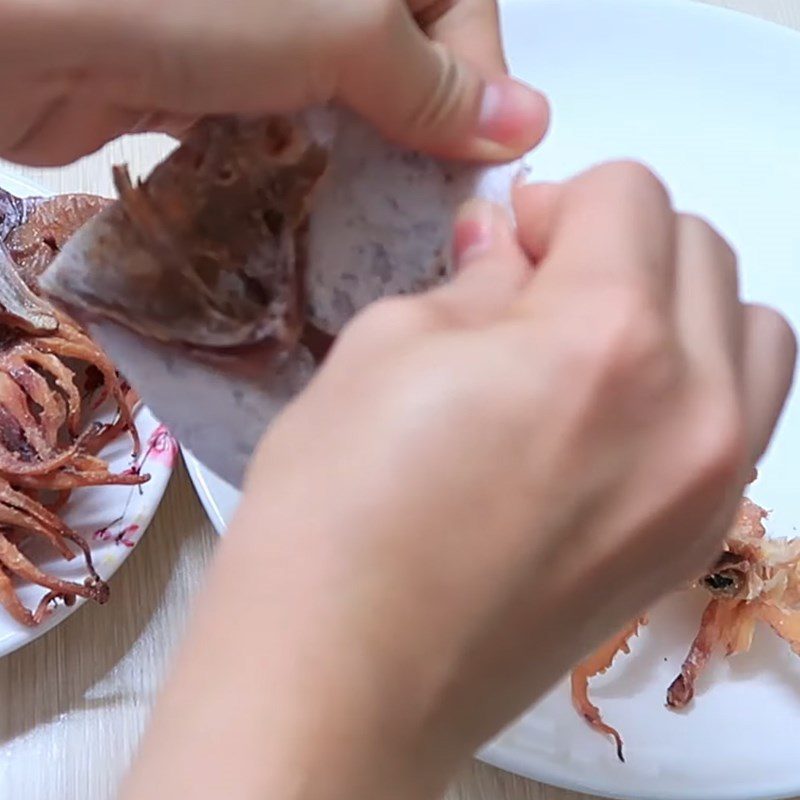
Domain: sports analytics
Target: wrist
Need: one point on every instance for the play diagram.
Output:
(295, 700)
(354, 700)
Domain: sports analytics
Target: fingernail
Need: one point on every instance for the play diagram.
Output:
(512, 115)
(473, 232)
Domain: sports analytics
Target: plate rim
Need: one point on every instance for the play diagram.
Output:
(198, 474)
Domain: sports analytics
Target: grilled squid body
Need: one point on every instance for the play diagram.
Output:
(242, 256)
(254, 230)
(381, 220)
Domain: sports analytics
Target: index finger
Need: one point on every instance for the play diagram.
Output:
(613, 225)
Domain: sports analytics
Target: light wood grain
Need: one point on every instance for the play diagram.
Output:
(73, 704)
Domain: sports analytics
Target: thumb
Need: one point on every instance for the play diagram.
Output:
(491, 267)
(424, 95)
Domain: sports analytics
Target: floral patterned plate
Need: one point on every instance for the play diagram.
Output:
(111, 518)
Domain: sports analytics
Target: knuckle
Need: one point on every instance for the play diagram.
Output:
(719, 443)
(630, 338)
(389, 312)
(701, 225)
(780, 336)
(635, 175)
(629, 364)
(440, 382)
(396, 314)
(442, 103)
(702, 232)
(727, 262)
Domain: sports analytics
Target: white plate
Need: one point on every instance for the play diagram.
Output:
(711, 100)
(111, 518)
(218, 497)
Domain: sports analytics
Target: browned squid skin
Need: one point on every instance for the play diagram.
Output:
(11, 517)
(755, 579)
(13, 211)
(718, 616)
(20, 430)
(785, 623)
(52, 376)
(79, 346)
(67, 482)
(597, 664)
(53, 413)
(20, 306)
(43, 226)
(12, 558)
(11, 602)
(208, 252)
(36, 512)
(32, 451)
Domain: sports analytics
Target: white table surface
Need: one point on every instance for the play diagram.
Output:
(73, 704)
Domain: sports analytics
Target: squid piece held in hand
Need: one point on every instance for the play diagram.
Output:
(229, 271)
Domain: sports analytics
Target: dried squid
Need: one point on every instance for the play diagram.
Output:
(598, 664)
(230, 270)
(52, 376)
(755, 578)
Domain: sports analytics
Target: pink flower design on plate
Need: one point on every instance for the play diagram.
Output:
(162, 447)
(125, 536)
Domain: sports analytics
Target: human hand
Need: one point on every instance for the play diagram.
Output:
(481, 484)
(428, 74)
